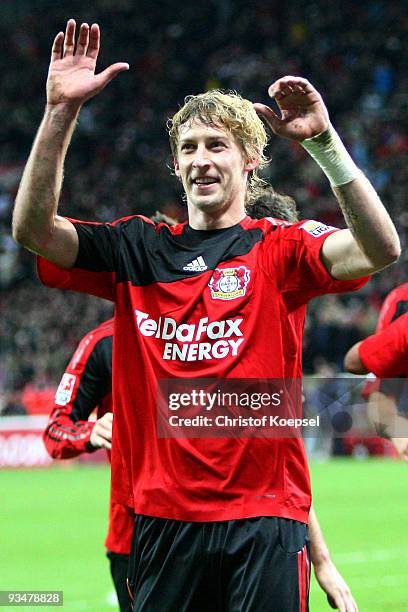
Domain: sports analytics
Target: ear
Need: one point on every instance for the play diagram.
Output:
(176, 167)
(251, 164)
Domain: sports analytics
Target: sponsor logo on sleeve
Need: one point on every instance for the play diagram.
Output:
(65, 389)
(229, 283)
(316, 228)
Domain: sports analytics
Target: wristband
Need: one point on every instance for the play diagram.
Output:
(332, 156)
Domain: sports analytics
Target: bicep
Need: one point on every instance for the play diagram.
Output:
(343, 258)
(62, 246)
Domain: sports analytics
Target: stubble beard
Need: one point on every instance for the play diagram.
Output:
(207, 204)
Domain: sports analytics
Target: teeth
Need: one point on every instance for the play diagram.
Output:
(204, 181)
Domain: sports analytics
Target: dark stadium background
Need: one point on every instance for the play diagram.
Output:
(355, 53)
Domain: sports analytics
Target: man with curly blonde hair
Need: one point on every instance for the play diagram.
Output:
(228, 111)
(221, 522)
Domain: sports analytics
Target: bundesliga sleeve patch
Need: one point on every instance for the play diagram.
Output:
(65, 389)
(316, 228)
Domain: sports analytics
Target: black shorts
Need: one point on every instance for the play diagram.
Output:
(249, 565)
(119, 569)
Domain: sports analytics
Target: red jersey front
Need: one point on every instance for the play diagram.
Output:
(386, 353)
(250, 284)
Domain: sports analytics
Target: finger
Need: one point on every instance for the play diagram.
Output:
(106, 444)
(69, 42)
(297, 86)
(350, 606)
(336, 602)
(106, 421)
(269, 115)
(106, 434)
(83, 40)
(288, 81)
(94, 41)
(57, 47)
(110, 73)
(286, 90)
(104, 430)
(100, 442)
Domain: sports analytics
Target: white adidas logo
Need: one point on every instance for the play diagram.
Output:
(197, 265)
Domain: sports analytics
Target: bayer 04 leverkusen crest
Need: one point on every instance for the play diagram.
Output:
(229, 283)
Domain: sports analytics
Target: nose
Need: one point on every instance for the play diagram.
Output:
(201, 162)
(201, 159)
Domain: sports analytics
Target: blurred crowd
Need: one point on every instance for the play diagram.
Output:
(118, 164)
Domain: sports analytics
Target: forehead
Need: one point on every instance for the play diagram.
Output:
(196, 129)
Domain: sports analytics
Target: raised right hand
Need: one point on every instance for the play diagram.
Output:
(71, 76)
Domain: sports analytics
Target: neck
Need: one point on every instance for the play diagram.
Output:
(210, 220)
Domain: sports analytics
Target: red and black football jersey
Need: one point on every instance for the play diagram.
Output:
(218, 304)
(394, 305)
(85, 386)
(386, 352)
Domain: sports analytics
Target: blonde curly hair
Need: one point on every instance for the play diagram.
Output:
(238, 116)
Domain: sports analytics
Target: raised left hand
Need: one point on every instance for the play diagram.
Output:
(303, 113)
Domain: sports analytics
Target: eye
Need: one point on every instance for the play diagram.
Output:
(217, 144)
(187, 146)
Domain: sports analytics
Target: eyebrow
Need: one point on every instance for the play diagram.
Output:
(209, 137)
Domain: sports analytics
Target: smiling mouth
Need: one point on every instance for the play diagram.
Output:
(205, 182)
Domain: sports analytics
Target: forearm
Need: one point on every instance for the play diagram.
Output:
(318, 547)
(383, 415)
(368, 221)
(372, 241)
(35, 212)
(331, 581)
(65, 439)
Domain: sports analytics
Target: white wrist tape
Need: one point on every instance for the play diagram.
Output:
(332, 156)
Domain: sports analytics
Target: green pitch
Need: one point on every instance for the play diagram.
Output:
(53, 523)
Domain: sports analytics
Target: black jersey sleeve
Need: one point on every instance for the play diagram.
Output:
(98, 246)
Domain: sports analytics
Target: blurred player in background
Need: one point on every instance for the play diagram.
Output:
(385, 354)
(394, 305)
(387, 400)
(186, 491)
(86, 386)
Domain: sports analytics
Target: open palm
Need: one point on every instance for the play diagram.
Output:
(71, 75)
(303, 113)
